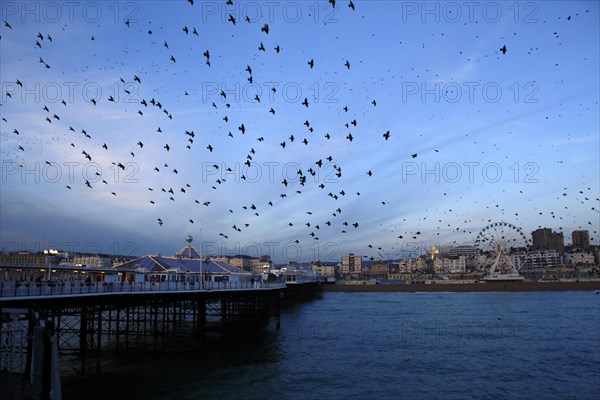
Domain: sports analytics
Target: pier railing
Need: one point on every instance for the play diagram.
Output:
(11, 289)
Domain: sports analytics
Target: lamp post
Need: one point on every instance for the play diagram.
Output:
(50, 254)
(201, 274)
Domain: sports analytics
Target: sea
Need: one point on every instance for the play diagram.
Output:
(494, 345)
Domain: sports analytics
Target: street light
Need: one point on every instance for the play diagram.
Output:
(49, 255)
(201, 274)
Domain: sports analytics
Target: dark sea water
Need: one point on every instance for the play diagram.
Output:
(536, 345)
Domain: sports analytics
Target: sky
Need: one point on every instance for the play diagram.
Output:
(477, 135)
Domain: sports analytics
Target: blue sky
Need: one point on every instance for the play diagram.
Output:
(498, 137)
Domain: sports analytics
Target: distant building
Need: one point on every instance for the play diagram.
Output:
(418, 264)
(468, 251)
(581, 239)
(558, 241)
(580, 258)
(321, 269)
(240, 261)
(380, 270)
(450, 265)
(543, 259)
(404, 266)
(541, 239)
(95, 261)
(351, 264)
(22, 258)
(544, 239)
(262, 265)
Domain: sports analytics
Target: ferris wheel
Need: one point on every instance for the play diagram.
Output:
(502, 249)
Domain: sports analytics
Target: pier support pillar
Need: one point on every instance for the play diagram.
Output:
(83, 339)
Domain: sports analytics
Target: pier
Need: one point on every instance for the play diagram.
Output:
(54, 329)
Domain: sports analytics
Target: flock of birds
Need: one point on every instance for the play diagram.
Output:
(189, 192)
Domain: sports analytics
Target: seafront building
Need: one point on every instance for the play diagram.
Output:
(351, 264)
(321, 269)
(544, 259)
(450, 265)
(238, 261)
(545, 239)
(580, 258)
(581, 239)
(465, 250)
(380, 270)
(259, 265)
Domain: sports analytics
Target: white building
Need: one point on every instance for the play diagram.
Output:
(580, 258)
(544, 259)
(457, 265)
(464, 250)
(452, 265)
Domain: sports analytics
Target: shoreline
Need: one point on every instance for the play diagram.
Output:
(468, 287)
